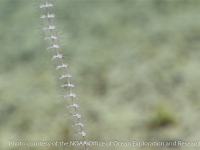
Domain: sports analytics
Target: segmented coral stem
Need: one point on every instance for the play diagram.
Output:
(68, 87)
